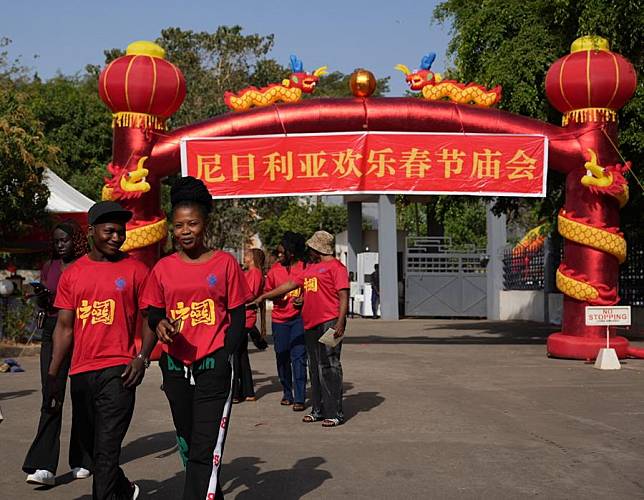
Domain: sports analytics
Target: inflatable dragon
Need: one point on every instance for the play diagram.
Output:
(608, 181)
(289, 90)
(433, 87)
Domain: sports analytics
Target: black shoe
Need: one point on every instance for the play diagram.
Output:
(257, 339)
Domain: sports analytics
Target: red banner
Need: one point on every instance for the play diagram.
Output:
(369, 162)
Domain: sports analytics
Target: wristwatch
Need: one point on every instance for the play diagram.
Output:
(146, 361)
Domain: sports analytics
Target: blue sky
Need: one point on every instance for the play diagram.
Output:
(66, 35)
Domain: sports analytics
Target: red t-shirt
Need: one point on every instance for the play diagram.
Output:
(50, 275)
(200, 295)
(321, 283)
(283, 308)
(106, 298)
(255, 281)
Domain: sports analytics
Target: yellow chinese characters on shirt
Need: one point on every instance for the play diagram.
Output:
(100, 311)
(198, 313)
(311, 284)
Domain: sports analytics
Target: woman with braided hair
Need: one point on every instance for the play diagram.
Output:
(69, 242)
(195, 300)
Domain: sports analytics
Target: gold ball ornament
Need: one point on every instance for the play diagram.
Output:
(362, 83)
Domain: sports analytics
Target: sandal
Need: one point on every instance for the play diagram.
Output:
(251, 398)
(286, 402)
(298, 407)
(331, 422)
(310, 418)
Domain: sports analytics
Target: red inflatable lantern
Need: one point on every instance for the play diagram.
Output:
(141, 88)
(591, 82)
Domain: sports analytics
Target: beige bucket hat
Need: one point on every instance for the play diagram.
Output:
(322, 242)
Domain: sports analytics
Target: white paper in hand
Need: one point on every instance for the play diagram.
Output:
(329, 339)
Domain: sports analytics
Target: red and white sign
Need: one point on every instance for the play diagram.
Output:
(608, 316)
(368, 162)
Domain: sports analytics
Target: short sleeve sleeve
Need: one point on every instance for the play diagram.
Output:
(152, 291)
(44, 271)
(254, 281)
(340, 277)
(237, 292)
(270, 280)
(65, 292)
(298, 277)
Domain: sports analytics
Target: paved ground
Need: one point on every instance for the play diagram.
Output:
(436, 409)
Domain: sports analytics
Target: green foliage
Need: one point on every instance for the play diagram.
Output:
(465, 224)
(336, 84)
(213, 63)
(24, 153)
(461, 218)
(76, 120)
(19, 316)
(513, 43)
(304, 219)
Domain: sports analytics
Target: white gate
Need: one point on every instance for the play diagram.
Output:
(442, 282)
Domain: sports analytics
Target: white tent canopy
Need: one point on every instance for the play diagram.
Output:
(62, 197)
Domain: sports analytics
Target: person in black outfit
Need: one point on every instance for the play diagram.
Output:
(375, 291)
(69, 242)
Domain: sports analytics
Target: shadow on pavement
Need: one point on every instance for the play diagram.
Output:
(166, 489)
(266, 385)
(16, 394)
(487, 333)
(285, 484)
(360, 402)
(149, 445)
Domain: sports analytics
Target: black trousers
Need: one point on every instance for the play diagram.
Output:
(325, 371)
(102, 410)
(200, 398)
(45, 449)
(243, 385)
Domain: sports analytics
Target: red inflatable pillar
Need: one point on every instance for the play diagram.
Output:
(142, 89)
(589, 85)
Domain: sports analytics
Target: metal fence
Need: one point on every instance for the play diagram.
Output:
(631, 276)
(523, 269)
(528, 270)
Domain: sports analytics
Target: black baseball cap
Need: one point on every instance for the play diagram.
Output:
(107, 211)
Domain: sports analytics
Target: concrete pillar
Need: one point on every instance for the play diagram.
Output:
(354, 235)
(496, 242)
(388, 257)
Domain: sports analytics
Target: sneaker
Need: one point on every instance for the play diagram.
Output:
(80, 473)
(135, 491)
(42, 476)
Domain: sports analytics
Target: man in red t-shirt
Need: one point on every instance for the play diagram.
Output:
(325, 282)
(98, 299)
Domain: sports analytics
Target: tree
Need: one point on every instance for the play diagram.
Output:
(303, 218)
(214, 63)
(76, 120)
(514, 42)
(336, 84)
(24, 153)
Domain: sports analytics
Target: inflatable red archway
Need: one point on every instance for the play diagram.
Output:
(143, 154)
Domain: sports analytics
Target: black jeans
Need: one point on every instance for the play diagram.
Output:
(200, 398)
(243, 387)
(45, 449)
(102, 410)
(325, 371)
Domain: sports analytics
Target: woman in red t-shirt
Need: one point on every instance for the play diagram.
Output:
(325, 282)
(286, 321)
(196, 303)
(243, 388)
(69, 243)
